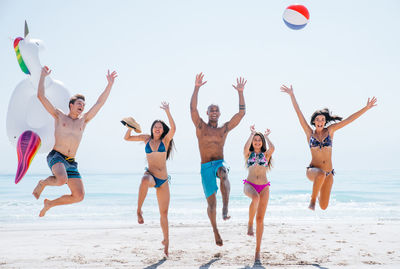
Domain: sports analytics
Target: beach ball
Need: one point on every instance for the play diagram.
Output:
(296, 17)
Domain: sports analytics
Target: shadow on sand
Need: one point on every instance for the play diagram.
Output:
(154, 266)
(207, 265)
(257, 265)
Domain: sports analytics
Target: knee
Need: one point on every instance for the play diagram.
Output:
(164, 213)
(145, 180)
(61, 180)
(260, 219)
(212, 207)
(79, 196)
(222, 173)
(255, 199)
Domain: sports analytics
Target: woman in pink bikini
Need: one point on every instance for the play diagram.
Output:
(256, 186)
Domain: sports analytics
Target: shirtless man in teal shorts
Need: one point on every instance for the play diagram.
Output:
(211, 145)
(68, 134)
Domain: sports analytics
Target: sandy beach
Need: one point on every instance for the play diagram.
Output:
(319, 244)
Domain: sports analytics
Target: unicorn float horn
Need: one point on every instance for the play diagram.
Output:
(26, 29)
(28, 144)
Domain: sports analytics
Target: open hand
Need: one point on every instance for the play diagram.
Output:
(287, 90)
(253, 129)
(165, 106)
(267, 132)
(199, 80)
(240, 83)
(371, 102)
(111, 77)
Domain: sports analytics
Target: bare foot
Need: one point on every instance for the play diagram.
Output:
(45, 208)
(250, 230)
(38, 189)
(218, 239)
(312, 205)
(225, 213)
(140, 219)
(257, 257)
(165, 243)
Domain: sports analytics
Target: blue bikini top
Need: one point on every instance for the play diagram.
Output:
(148, 150)
(327, 142)
(257, 158)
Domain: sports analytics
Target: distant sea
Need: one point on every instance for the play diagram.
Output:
(360, 196)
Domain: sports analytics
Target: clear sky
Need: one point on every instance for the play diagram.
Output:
(348, 52)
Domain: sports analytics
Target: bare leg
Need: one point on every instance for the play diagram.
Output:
(163, 204)
(77, 195)
(262, 207)
(212, 215)
(255, 198)
(147, 182)
(225, 190)
(325, 192)
(317, 176)
(59, 179)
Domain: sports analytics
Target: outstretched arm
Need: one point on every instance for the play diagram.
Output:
(193, 102)
(129, 137)
(102, 98)
(246, 150)
(242, 107)
(42, 97)
(370, 104)
(271, 147)
(307, 129)
(170, 135)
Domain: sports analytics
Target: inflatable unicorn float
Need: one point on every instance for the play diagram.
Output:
(30, 128)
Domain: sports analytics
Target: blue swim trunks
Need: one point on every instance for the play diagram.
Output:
(209, 176)
(69, 163)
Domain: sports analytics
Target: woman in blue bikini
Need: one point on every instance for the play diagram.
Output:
(256, 186)
(320, 171)
(158, 148)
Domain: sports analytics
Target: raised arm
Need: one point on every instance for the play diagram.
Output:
(246, 151)
(193, 102)
(307, 129)
(129, 137)
(242, 107)
(170, 135)
(102, 98)
(271, 147)
(370, 104)
(41, 95)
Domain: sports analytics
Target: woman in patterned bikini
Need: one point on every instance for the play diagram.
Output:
(158, 148)
(256, 186)
(320, 171)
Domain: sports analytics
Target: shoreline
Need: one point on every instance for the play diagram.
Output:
(295, 244)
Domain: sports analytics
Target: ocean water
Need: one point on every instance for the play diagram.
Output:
(111, 198)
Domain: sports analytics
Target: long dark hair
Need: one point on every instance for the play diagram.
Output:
(263, 148)
(328, 117)
(165, 132)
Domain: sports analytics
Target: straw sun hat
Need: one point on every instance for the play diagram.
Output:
(131, 123)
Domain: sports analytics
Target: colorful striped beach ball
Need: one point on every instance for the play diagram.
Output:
(296, 17)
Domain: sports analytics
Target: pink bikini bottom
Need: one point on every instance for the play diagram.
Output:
(258, 188)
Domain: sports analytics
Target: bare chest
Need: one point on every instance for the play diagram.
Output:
(70, 126)
(209, 134)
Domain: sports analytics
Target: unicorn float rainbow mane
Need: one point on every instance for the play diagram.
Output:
(19, 56)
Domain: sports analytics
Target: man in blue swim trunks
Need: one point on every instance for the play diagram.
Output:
(211, 145)
(68, 134)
